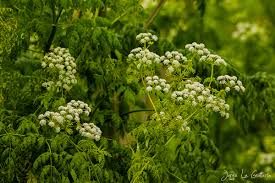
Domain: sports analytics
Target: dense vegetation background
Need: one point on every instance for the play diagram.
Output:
(134, 146)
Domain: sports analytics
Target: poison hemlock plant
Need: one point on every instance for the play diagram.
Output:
(79, 104)
(182, 103)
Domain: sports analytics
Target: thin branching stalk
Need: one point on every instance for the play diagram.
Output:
(154, 14)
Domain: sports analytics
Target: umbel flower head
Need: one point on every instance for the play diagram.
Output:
(204, 54)
(144, 38)
(89, 130)
(60, 61)
(195, 93)
(143, 56)
(173, 60)
(69, 114)
(157, 84)
(231, 82)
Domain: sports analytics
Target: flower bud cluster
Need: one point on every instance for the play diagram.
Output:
(196, 93)
(184, 126)
(60, 60)
(143, 56)
(144, 38)
(157, 84)
(161, 115)
(205, 54)
(89, 130)
(70, 112)
(172, 60)
(246, 30)
(231, 82)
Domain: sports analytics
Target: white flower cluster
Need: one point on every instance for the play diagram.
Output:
(61, 60)
(196, 93)
(172, 60)
(71, 112)
(53, 119)
(205, 54)
(231, 82)
(246, 30)
(89, 130)
(156, 83)
(143, 56)
(144, 38)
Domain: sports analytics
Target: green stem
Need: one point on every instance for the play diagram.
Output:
(120, 16)
(151, 101)
(154, 14)
(134, 111)
(191, 115)
(77, 148)
(174, 175)
(212, 73)
(50, 159)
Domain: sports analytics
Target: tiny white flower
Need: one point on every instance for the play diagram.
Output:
(174, 95)
(156, 82)
(43, 64)
(47, 114)
(232, 83)
(149, 88)
(51, 124)
(59, 119)
(200, 98)
(154, 37)
(166, 90)
(148, 78)
(41, 116)
(234, 78)
(155, 77)
(200, 52)
(179, 99)
(86, 113)
(77, 119)
(43, 122)
(166, 62)
(208, 106)
(69, 117)
(51, 65)
(216, 108)
(171, 69)
(227, 89)
(239, 83)
(97, 137)
(158, 88)
(176, 63)
(57, 129)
